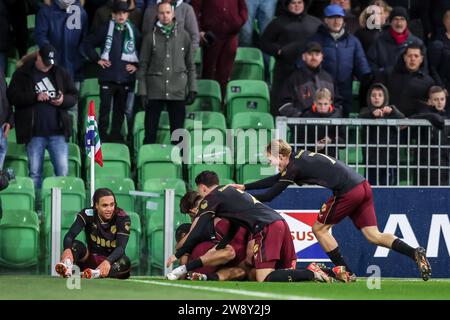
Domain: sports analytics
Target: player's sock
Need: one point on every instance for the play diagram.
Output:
(337, 258)
(403, 248)
(194, 264)
(289, 275)
(212, 276)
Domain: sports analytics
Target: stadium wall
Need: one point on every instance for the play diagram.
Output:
(418, 215)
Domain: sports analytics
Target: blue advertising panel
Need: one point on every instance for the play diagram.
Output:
(420, 216)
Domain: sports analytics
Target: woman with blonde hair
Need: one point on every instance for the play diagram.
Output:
(371, 21)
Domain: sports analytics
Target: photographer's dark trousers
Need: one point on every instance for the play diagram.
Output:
(177, 113)
(218, 60)
(120, 269)
(116, 93)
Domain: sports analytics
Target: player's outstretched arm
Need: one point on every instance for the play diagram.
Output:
(263, 183)
(70, 236)
(273, 192)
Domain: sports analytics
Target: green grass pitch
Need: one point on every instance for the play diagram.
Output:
(155, 288)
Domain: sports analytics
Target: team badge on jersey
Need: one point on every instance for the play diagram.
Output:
(113, 229)
(204, 205)
(127, 226)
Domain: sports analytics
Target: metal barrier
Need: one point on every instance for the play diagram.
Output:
(387, 152)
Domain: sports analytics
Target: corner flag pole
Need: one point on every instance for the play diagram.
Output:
(92, 173)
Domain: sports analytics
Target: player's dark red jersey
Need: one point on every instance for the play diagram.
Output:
(239, 207)
(309, 168)
(103, 237)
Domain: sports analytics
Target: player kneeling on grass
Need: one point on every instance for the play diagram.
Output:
(209, 254)
(107, 229)
(352, 197)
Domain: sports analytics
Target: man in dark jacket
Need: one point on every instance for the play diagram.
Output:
(6, 120)
(408, 81)
(42, 93)
(219, 22)
(344, 56)
(5, 36)
(118, 40)
(284, 39)
(392, 42)
(299, 90)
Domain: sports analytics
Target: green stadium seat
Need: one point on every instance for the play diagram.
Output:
(156, 252)
(163, 134)
(213, 157)
(11, 67)
(226, 181)
(133, 249)
(252, 120)
(74, 163)
(121, 188)
(248, 64)
(89, 87)
(116, 162)
(247, 96)
(271, 68)
(31, 21)
(209, 97)
(8, 80)
(19, 239)
(212, 121)
(17, 159)
(252, 166)
(19, 195)
(156, 161)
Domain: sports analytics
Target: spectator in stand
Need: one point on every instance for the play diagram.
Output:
(42, 93)
(392, 42)
(184, 14)
(372, 21)
(284, 39)
(164, 79)
(437, 9)
(64, 28)
(327, 136)
(438, 136)
(378, 107)
(5, 36)
(439, 56)
(103, 15)
(299, 90)
(407, 82)
(344, 56)
(119, 41)
(263, 12)
(351, 20)
(219, 22)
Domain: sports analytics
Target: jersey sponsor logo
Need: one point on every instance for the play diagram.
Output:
(300, 223)
(127, 226)
(103, 242)
(89, 212)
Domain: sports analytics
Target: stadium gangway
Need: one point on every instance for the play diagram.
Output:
(405, 152)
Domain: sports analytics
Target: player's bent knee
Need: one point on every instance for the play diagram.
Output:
(121, 268)
(79, 251)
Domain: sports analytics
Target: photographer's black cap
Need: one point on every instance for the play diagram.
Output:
(48, 54)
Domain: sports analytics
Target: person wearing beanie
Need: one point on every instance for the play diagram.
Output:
(393, 41)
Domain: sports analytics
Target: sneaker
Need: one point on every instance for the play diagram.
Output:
(90, 274)
(64, 269)
(196, 276)
(319, 274)
(177, 273)
(341, 274)
(422, 262)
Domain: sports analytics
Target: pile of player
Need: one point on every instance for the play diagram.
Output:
(234, 236)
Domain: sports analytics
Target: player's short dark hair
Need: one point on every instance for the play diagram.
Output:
(103, 192)
(208, 178)
(189, 201)
(182, 230)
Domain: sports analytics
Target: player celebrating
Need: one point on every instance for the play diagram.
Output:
(273, 251)
(352, 198)
(107, 229)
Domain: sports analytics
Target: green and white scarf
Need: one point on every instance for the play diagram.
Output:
(166, 29)
(129, 43)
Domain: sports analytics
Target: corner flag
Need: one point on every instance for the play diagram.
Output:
(92, 137)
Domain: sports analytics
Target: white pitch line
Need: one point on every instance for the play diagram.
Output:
(232, 291)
